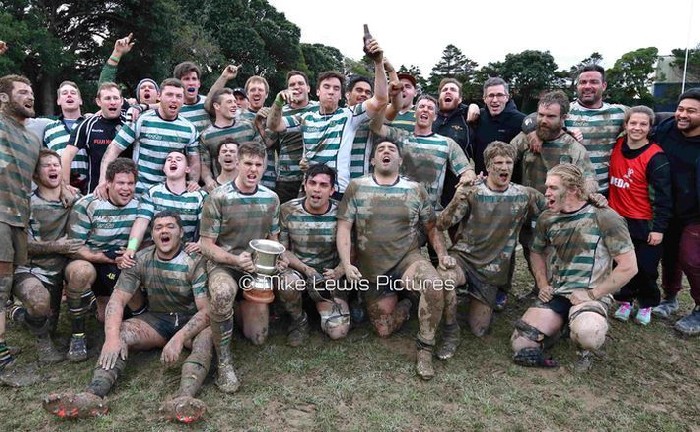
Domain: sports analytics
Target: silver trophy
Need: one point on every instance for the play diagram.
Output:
(265, 256)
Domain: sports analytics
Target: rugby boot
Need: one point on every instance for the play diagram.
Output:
(77, 351)
(424, 363)
(47, 351)
(298, 331)
(451, 339)
(184, 409)
(75, 406)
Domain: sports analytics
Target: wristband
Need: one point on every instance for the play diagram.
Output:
(133, 244)
(114, 59)
(590, 294)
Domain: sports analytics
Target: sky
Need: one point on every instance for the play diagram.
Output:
(486, 31)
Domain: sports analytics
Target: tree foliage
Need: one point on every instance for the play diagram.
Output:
(453, 64)
(631, 76)
(529, 73)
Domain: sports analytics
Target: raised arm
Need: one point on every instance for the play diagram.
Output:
(381, 93)
(230, 72)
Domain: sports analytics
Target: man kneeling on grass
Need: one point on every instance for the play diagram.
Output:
(573, 251)
(175, 283)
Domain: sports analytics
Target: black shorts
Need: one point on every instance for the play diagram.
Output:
(107, 275)
(560, 305)
(390, 282)
(476, 286)
(166, 324)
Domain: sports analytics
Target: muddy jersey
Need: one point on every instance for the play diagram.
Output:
(48, 221)
(196, 113)
(56, 138)
(426, 159)
(489, 224)
(187, 204)
(19, 154)
(584, 244)
(92, 136)
(171, 285)
(328, 137)
(291, 147)
(153, 138)
(600, 128)
(240, 131)
(234, 218)
(564, 149)
(101, 225)
(388, 221)
(310, 237)
(405, 121)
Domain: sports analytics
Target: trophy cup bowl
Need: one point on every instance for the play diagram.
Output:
(265, 256)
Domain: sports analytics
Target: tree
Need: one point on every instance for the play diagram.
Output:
(631, 76)
(321, 58)
(453, 64)
(693, 70)
(529, 73)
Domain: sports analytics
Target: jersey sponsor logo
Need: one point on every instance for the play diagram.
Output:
(152, 136)
(618, 182)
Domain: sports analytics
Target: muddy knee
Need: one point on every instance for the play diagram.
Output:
(588, 330)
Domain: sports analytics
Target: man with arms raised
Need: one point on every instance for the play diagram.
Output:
(177, 317)
(308, 232)
(427, 155)
(329, 131)
(390, 215)
(233, 215)
(572, 258)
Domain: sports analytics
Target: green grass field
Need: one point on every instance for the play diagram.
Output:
(648, 381)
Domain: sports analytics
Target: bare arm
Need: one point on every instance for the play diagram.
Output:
(274, 118)
(343, 243)
(114, 347)
(63, 246)
(455, 211)
(377, 124)
(381, 92)
(215, 253)
(539, 270)
(230, 72)
(98, 257)
(622, 273)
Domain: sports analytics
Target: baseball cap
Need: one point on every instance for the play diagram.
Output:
(408, 76)
(240, 91)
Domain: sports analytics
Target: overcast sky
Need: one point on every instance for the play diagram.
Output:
(413, 32)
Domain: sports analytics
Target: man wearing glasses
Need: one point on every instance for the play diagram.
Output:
(500, 120)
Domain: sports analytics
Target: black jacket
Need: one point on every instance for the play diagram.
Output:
(503, 127)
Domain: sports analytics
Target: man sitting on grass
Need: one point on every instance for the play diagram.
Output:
(178, 316)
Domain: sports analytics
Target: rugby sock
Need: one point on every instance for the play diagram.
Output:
(79, 308)
(103, 380)
(5, 356)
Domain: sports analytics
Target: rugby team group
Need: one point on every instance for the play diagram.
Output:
(142, 215)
